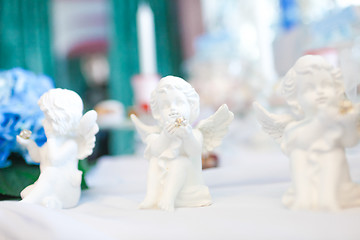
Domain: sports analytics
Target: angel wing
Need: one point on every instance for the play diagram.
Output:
(272, 124)
(143, 129)
(86, 134)
(215, 127)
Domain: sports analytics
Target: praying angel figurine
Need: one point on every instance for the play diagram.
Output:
(174, 148)
(70, 137)
(322, 123)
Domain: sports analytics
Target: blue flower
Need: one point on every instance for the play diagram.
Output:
(20, 91)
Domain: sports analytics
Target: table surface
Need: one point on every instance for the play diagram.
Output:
(246, 191)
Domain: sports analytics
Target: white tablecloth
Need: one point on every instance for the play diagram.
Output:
(246, 191)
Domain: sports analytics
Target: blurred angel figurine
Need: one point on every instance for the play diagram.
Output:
(174, 147)
(70, 137)
(322, 124)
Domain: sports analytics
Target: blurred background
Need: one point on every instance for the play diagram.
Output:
(112, 52)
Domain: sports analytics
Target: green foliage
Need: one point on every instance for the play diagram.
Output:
(19, 175)
(84, 167)
(15, 178)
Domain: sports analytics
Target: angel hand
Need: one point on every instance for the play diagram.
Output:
(178, 130)
(23, 141)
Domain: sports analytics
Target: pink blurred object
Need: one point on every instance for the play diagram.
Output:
(330, 54)
(143, 85)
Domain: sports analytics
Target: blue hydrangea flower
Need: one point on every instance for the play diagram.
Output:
(20, 91)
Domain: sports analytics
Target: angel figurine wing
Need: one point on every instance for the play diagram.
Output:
(86, 134)
(215, 127)
(272, 124)
(143, 129)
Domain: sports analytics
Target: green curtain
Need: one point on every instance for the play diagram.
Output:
(25, 36)
(69, 75)
(123, 65)
(123, 55)
(168, 46)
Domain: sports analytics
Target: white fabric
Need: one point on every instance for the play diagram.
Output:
(246, 192)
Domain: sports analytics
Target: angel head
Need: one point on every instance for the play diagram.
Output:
(311, 84)
(62, 109)
(174, 96)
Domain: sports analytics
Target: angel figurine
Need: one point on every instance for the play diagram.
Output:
(70, 137)
(174, 147)
(322, 123)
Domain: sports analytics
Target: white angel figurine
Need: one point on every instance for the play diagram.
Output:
(174, 147)
(322, 124)
(70, 137)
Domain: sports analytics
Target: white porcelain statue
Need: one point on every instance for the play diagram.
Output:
(70, 137)
(314, 136)
(174, 147)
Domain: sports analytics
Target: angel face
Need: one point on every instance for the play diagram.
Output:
(62, 109)
(317, 91)
(50, 126)
(47, 125)
(172, 104)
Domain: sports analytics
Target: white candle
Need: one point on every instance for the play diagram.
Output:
(146, 40)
